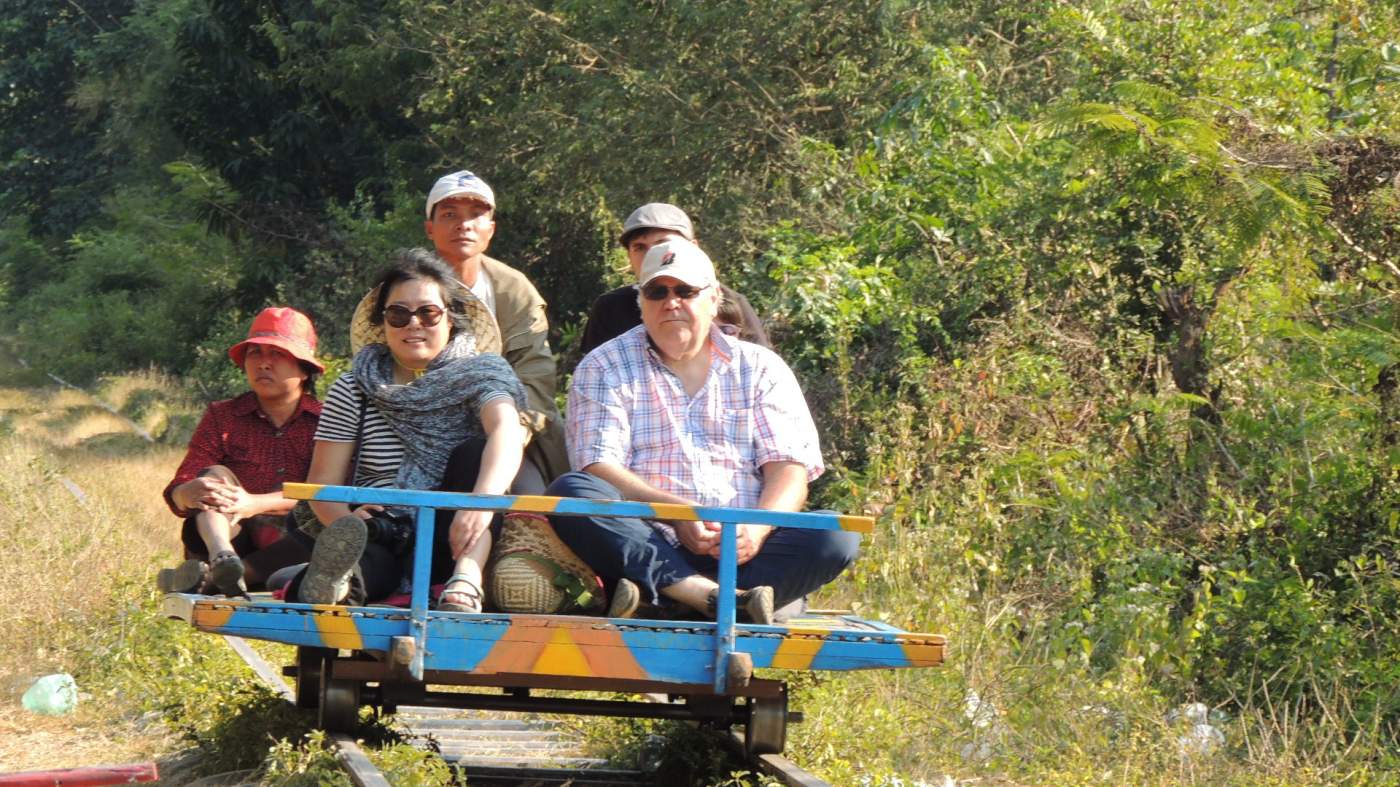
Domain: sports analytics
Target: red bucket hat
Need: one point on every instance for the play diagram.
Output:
(284, 327)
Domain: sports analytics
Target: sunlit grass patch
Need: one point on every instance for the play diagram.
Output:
(77, 424)
(72, 547)
(153, 401)
(19, 400)
(65, 398)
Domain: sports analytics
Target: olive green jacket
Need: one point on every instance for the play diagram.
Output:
(520, 313)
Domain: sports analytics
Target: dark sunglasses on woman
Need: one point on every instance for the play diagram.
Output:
(399, 317)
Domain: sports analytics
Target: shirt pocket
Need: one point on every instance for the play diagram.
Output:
(737, 432)
(238, 449)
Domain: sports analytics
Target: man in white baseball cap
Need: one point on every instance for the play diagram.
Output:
(460, 220)
(616, 311)
(677, 411)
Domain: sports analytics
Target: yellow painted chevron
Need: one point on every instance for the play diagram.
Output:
(798, 648)
(337, 628)
(923, 653)
(673, 511)
(858, 524)
(562, 656)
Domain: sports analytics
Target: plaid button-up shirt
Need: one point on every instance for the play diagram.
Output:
(627, 408)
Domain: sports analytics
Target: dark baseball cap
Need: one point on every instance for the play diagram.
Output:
(657, 216)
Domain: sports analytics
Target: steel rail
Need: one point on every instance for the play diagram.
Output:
(506, 770)
(351, 757)
(502, 768)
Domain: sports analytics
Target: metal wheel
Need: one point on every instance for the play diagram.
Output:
(766, 732)
(340, 702)
(308, 681)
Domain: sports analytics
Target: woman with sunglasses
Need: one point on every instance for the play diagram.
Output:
(430, 406)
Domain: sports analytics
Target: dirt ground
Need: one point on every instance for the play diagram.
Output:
(31, 742)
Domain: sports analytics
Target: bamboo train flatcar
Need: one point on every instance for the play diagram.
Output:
(383, 656)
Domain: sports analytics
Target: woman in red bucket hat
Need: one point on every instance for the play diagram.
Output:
(229, 487)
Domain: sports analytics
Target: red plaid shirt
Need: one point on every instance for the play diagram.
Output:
(236, 434)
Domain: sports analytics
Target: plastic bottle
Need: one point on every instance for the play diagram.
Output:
(52, 695)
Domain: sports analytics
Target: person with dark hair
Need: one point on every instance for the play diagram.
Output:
(431, 406)
(615, 312)
(228, 488)
(460, 220)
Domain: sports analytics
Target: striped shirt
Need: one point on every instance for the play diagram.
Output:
(381, 451)
(626, 407)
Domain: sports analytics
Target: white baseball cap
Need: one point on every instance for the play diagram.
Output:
(680, 259)
(460, 184)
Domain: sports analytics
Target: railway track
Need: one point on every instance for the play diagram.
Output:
(492, 748)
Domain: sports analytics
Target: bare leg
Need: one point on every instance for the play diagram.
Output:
(217, 531)
(693, 591)
(463, 590)
(698, 592)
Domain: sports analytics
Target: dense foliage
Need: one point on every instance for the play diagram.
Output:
(1096, 301)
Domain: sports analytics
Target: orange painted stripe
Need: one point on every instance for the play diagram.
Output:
(608, 654)
(550, 648)
(520, 645)
(206, 616)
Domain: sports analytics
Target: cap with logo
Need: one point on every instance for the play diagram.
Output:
(679, 259)
(283, 327)
(657, 216)
(459, 184)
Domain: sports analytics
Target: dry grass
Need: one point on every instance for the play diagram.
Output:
(150, 399)
(14, 400)
(80, 520)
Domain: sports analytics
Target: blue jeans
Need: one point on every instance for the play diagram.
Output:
(793, 561)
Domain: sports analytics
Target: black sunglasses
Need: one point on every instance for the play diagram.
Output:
(660, 292)
(399, 317)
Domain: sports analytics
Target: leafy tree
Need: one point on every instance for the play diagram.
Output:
(583, 111)
(1198, 197)
(51, 165)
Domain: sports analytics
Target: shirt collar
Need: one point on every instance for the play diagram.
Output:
(247, 404)
(721, 346)
(722, 343)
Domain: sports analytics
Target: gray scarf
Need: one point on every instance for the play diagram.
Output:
(439, 410)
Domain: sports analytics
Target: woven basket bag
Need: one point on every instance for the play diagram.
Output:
(533, 572)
